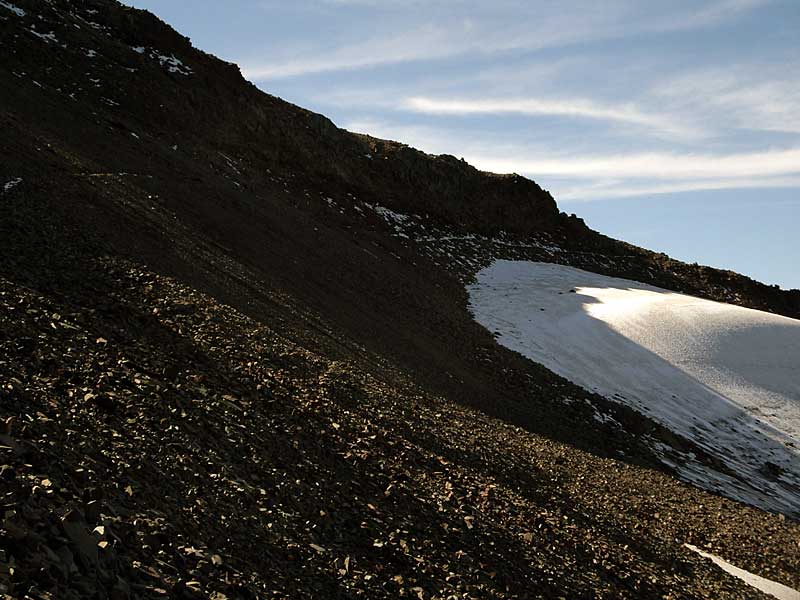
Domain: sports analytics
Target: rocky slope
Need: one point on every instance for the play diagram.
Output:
(237, 361)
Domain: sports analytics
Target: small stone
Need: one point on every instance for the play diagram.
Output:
(7, 473)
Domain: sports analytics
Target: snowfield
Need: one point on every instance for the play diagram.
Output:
(725, 377)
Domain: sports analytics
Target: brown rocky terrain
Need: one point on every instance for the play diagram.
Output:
(224, 374)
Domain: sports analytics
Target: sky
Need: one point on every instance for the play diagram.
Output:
(674, 125)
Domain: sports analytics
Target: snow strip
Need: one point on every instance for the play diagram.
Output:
(390, 216)
(16, 10)
(725, 377)
(773, 588)
(47, 37)
(10, 185)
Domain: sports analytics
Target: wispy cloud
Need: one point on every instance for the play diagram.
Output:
(436, 33)
(655, 166)
(629, 114)
(423, 42)
(617, 189)
(708, 15)
(762, 97)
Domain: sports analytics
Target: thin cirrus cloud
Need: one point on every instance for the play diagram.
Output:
(760, 97)
(628, 114)
(710, 14)
(441, 35)
(617, 189)
(658, 166)
(425, 42)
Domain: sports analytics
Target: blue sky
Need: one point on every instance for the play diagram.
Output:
(673, 125)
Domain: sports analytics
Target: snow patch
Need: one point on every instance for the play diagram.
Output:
(14, 9)
(390, 216)
(173, 64)
(50, 38)
(773, 588)
(10, 185)
(724, 377)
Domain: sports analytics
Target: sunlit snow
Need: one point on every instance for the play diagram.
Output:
(47, 37)
(773, 588)
(725, 377)
(173, 64)
(16, 10)
(170, 61)
(10, 185)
